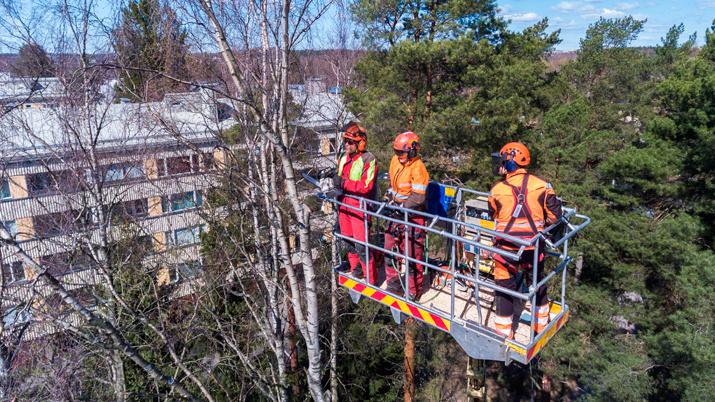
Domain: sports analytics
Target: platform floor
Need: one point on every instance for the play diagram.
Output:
(437, 297)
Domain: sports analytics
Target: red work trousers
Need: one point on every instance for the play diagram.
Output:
(395, 239)
(352, 224)
(505, 272)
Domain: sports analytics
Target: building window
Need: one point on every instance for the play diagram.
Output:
(52, 224)
(40, 183)
(132, 249)
(134, 209)
(207, 160)
(66, 263)
(13, 272)
(50, 183)
(181, 201)
(184, 236)
(124, 171)
(178, 165)
(184, 271)
(65, 222)
(5, 189)
(142, 246)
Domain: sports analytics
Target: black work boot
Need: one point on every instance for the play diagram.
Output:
(394, 287)
(343, 267)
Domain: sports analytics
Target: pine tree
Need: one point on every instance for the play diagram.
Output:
(33, 62)
(453, 74)
(626, 137)
(151, 47)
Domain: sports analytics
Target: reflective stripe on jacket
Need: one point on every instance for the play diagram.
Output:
(358, 173)
(540, 205)
(408, 182)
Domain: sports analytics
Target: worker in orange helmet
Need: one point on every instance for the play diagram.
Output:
(522, 205)
(408, 188)
(357, 169)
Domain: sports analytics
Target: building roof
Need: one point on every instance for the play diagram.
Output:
(19, 89)
(320, 111)
(28, 132)
(33, 132)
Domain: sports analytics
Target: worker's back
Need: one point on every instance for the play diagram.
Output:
(523, 219)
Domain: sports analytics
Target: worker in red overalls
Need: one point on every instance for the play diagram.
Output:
(357, 170)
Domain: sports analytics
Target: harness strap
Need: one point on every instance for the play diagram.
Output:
(520, 200)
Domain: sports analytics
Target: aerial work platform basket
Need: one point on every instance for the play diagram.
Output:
(459, 290)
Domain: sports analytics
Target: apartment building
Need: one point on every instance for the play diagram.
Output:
(72, 179)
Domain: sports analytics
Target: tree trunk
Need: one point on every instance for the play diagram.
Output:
(4, 369)
(579, 268)
(292, 349)
(307, 323)
(428, 96)
(118, 381)
(334, 325)
(409, 386)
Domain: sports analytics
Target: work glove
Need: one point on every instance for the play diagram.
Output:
(389, 212)
(327, 173)
(337, 181)
(334, 193)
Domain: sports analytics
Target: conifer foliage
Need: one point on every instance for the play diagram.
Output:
(624, 134)
(151, 51)
(33, 62)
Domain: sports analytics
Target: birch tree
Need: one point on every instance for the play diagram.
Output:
(259, 90)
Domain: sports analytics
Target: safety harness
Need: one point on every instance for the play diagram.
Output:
(521, 207)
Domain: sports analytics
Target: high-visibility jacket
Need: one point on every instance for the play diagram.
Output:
(408, 182)
(358, 174)
(522, 204)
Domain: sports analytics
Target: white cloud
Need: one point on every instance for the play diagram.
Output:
(522, 17)
(587, 10)
(571, 24)
(609, 12)
(567, 6)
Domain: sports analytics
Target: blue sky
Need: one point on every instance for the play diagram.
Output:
(571, 16)
(574, 16)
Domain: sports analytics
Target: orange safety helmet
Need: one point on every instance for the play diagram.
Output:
(407, 142)
(517, 152)
(355, 132)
